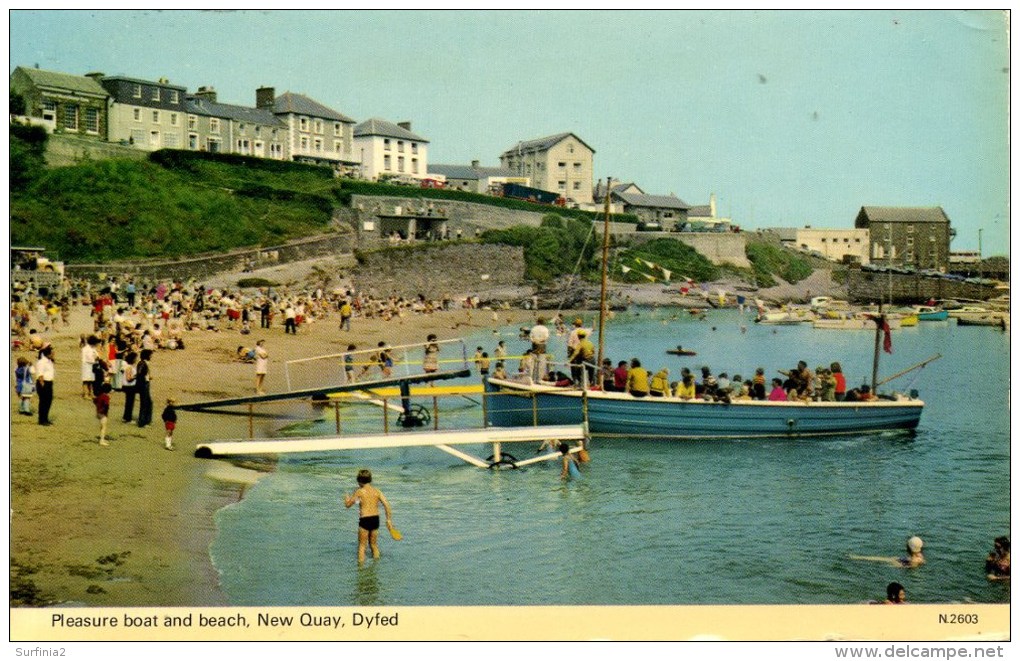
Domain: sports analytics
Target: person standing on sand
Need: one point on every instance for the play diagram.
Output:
(345, 315)
(102, 402)
(431, 361)
(261, 366)
(143, 385)
(169, 417)
(24, 382)
(128, 385)
(45, 371)
(368, 499)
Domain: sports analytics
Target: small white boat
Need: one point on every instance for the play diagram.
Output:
(855, 321)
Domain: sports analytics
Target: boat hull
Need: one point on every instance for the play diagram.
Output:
(853, 324)
(621, 415)
(941, 315)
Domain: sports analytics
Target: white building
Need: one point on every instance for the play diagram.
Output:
(386, 150)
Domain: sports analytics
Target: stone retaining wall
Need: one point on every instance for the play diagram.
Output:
(62, 149)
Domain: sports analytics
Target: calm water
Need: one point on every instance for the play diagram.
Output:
(708, 522)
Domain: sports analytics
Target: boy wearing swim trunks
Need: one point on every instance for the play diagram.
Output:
(368, 499)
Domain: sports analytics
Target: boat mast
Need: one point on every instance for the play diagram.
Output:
(605, 275)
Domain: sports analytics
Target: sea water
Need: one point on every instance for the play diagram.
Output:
(654, 522)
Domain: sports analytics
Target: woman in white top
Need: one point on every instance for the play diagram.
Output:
(261, 366)
(89, 356)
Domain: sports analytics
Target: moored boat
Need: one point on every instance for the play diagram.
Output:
(617, 414)
(856, 321)
(930, 313)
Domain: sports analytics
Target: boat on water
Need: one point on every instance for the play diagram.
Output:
(930, 313)
(680, 351)
(856, 321)
(524, 402)
(785, 318)
(988, 318)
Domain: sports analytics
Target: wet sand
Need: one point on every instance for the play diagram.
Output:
(130, 524)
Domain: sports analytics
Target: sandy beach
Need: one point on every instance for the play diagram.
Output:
(130, 524)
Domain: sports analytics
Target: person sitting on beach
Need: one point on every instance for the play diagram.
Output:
(685, 388)
(368, 499)
(637, 379)
(777, 394)
(660, 383)
(997, 563)
(895, 594)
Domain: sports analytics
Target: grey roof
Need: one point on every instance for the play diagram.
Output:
(199, 106)
(701, 211)
(904, 214)
(381, 127)
(597, 193)
(541, 144)
(468, 172)
(299, 104)
(652, 201)
(146, 82)
(63, 81)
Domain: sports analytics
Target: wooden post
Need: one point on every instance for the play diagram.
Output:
(336, 410)
(251, 421)
(435, 413)
(386, 416)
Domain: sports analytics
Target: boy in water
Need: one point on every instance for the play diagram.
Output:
(368, 499)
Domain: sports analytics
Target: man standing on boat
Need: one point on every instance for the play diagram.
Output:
(539, 337)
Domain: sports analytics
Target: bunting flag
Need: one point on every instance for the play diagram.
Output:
(684, 290)
(649, 277)
(666, 273)
(625, 269)
(740, 299)
(646, 263)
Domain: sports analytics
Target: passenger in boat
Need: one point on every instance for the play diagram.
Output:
(582, 358)
(837, 373)
(527, 364)
(997, 563)
(606, 377)
(708, 385)
(743, 395)
(723, 383)
(777, 394)
(620, 376)
(685, 389)
(637, 379)
(368, 499)
(758, 384)
(864, 394)
(895, 594)
(660, 383)
(499, 372)
(826, 385)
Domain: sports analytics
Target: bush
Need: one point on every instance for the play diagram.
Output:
(245, 283)
(181, 159)
(27, 155)
(552, 250)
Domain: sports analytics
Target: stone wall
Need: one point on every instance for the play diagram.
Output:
(64, 149)
(434, 269)
(237, 260)
(717, 247)
(871, 287)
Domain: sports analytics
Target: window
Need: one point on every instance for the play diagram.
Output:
(910, 241)
(910, 229)
(173, 119)
(170, 140)
(240, 127)
(49, 110)
(338, 129)
(400, 146)
(400, 164)
(174, 97)
(71, 117)
(304, 143)
(258, 131)
(137, 136)
(577, 167)
(570, 147)
(193, 141)
(561, 185)
(386, 144)
(92, 120)
(561, 165)
(338, 146)
(318, 144)
(303, 123)
(214, 125)
(414, 147)
(138, 114)
(154, 139)
(318, 126)
(136, 91)
(577, 186)
(386, 163)
(414, 165)
(213, 145)
(192, 122)
(155, 117)
(155, 94)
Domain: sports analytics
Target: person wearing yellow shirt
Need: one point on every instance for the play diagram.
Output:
(637, 379)
(685, 389)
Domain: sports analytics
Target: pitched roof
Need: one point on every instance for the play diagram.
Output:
(142, 81)
(63, 81)
(701, 211)
(199, 106)
(655, 201)
(468, 172)
(299, 104)
(904, 214)
(541, 144)
(381, 127)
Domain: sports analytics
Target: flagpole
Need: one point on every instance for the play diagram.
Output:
(605, 275)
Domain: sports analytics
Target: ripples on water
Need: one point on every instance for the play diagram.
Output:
(704, 522)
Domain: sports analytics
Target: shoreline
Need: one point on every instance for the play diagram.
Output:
(131, 524)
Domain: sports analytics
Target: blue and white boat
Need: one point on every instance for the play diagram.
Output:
(930, 313)
(615, 414)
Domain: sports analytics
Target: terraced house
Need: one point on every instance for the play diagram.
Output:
(222, 127)
(561, 163)
(62, 102)
(147, 114)
(315, 133)
(388, 149)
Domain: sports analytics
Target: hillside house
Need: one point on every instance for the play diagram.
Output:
(561, 164)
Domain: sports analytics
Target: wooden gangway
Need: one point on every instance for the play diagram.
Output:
(438, 439)
(323, 392)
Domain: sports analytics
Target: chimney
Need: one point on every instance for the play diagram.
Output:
(95, 75)
(206, 92)
(265, 97)
(711, 205)
(404, 125)
(474, 164)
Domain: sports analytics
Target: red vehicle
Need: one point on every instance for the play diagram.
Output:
(432, 183)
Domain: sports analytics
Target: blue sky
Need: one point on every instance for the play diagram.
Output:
(790, 117)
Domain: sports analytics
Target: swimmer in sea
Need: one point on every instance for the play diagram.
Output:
(895, 594)
(997, 563)
(368, 499)
(914, 557)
